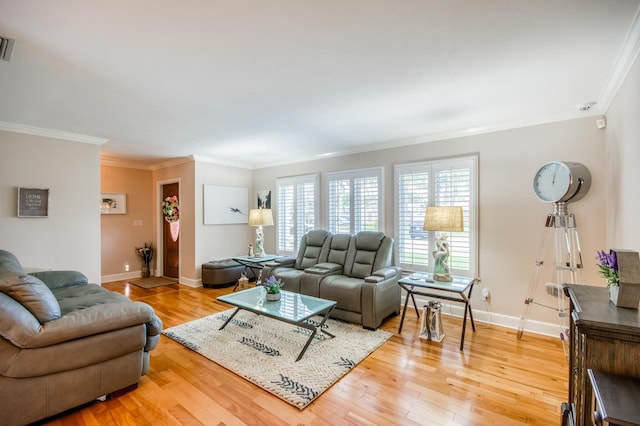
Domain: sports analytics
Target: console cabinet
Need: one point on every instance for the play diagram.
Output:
(603, 338)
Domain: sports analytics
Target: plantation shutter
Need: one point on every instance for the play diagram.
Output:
(438, 183)
(354, 201)
(296, 202)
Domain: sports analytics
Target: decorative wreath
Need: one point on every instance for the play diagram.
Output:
(171, 209)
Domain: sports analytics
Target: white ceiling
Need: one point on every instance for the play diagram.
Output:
(258, 82)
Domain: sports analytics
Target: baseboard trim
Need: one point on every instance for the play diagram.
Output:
(484, 316)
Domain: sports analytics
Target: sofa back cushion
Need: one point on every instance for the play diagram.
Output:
(9, 263)
(31, 293)
(371, 251)
(311, 246)
(338, 249)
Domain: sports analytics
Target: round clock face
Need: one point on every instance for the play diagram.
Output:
(559, 181)
(552, 182)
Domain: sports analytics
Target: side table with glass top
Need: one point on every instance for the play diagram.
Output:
(254, 263)
(423, 284)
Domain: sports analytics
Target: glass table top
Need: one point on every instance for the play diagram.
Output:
(293, 307)
(458, 285)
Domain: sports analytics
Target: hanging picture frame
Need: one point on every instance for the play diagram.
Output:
(113, 203)
(33, 202)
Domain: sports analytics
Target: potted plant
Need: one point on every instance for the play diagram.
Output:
(272, 286)
(146, 254)
(621, 268)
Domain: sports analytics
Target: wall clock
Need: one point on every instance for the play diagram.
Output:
(561, 182)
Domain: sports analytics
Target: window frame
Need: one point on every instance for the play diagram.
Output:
(470, 211)
(296, 181)
(372, 172)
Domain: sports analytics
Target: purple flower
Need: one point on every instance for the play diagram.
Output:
(608, 264)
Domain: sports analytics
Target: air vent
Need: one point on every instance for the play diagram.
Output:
(6, 48)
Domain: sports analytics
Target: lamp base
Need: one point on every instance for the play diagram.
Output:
(442, 278)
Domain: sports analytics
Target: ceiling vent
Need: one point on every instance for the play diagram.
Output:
(6, 48)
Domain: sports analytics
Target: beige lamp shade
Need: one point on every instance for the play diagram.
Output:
(260, 217)
(441, 218)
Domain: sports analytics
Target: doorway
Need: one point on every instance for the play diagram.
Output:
(170, 244)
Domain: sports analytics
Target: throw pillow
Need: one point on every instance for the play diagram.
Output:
(33, 294)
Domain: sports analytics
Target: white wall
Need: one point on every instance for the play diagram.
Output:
(220, 241)
(623, 165)
(511, 218)
(69, 238)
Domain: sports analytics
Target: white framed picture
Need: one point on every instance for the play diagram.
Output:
(225, 205)
(113, 203)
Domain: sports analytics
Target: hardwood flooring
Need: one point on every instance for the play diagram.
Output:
(496, 380)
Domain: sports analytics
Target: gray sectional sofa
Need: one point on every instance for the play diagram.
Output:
(65, 342)
(354, 270)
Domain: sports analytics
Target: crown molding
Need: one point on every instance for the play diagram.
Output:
(625, 60)
(51, 133)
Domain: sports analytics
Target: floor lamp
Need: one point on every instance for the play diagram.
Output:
(443, 219)
(260, 218)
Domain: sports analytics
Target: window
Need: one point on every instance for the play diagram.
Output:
(354, 201)
(297, 201)
(451, 182)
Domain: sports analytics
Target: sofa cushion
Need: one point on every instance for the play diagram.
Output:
(347, 292)
(338, 249)
(33, 294)
(311, 246)
(57, 279)
(9, 263)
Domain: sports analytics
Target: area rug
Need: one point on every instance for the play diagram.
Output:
(152, 282)
(263, 351)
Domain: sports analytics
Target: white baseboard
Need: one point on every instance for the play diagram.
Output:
(485, 316)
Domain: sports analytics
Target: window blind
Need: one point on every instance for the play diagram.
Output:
(354, 201)
(296, 201)
(438, 183)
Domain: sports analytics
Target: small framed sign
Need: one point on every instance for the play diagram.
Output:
(33, 202)
(113, 203)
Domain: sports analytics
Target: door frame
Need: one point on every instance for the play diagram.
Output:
(159, 227)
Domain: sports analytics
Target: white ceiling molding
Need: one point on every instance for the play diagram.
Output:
(626, 58)
(51, 133)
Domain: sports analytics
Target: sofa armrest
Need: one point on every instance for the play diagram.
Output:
(86, 322)
(58, 279)
(281, 262)
(383, 274)
(326, 268)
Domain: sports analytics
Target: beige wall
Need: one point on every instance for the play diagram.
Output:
(623, 165)
(69, 238)
(122, 233)
(511, 218)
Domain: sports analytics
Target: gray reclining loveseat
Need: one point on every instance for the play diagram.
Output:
(65, 342)
(354, 270)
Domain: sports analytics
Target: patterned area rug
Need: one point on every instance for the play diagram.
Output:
(264, 350)
(152, 282)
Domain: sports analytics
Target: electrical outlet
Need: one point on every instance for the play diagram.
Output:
(126, 266)
(485, 294)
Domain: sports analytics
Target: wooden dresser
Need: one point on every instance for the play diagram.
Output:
(603, 338)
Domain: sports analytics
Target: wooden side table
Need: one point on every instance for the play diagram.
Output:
(424, 285)
(616, 399)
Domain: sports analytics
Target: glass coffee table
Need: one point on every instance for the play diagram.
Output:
(292, 308)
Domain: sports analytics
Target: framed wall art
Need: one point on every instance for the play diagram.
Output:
(33, 202)
(113, 203)
(225, 205)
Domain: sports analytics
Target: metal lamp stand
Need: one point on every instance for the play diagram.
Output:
(567, 263)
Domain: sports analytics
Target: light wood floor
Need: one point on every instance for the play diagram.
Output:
(496, 380)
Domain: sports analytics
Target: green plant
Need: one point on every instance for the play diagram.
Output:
(272, 285)
(608, 264)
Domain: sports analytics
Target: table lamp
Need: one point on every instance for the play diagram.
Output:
(443, 219)
(260, 218)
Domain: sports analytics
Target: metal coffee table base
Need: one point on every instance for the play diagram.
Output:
(303, 324)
